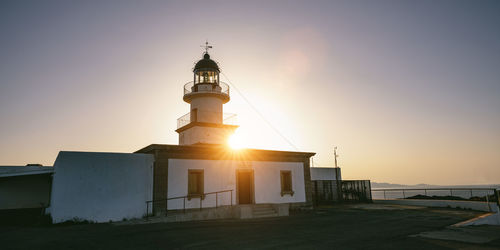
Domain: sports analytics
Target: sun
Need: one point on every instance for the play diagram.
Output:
(235, 141)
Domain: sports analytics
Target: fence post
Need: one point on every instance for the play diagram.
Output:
(451, 192)
(425, 192)
(384, 195)
(471, 193)
(147, 209)
(184, 205)
(216, 196)
(231, 197)
(497, 199)
(488, 202)
(404, 196)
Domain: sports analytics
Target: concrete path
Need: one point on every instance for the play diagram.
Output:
(470, 234)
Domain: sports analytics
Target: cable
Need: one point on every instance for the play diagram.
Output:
(261, 116)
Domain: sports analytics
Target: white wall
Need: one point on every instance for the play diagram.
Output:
(268, 182)
(221, 175)
(209, 135)
(101, 186)
(25, 191)
(324, 174)
(208, 104)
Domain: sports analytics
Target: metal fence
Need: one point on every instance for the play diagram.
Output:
(356, 190)
(464, 194)
(326, 191)
(333, 191)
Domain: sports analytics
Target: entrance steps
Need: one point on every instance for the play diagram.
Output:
(251, 211)
(264, 210)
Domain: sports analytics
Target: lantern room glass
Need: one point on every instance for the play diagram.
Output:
(206, 76)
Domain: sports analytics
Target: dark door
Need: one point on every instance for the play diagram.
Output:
(245, 187)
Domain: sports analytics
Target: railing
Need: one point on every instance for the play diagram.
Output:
(465, 194)
(201, 197)
(207, 116)
(222, 88)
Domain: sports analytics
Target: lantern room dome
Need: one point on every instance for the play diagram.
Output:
(206, 63)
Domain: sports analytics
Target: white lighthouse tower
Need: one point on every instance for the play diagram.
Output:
(206, 123)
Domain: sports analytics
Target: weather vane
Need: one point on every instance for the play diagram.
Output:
(206, 46)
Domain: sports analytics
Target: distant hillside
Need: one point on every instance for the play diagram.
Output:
(391, 185)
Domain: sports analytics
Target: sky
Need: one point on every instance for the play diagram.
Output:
(409, 91)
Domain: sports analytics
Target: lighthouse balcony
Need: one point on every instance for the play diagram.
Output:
(207, 117)
(218, 89)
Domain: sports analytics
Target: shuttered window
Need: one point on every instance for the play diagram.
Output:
(286, 182)
(195, 182)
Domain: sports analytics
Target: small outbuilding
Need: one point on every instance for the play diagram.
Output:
(101, 187)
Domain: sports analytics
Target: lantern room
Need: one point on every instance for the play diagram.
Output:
(206, 71)
(206, 81)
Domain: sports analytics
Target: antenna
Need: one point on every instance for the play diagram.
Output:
(335, 155)
(206, 46)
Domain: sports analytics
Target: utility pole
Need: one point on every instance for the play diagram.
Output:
(337, 179)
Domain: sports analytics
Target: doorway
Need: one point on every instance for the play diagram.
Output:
(244, 186)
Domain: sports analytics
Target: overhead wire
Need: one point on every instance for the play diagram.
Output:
(259, 113)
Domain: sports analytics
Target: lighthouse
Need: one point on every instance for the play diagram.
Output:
(206, 123)
(197, 174)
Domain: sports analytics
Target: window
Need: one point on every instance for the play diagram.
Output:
(206, 77)
(195, 183)
(286, 182)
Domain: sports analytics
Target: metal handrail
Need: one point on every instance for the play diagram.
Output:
(201, 197)
(220, 88)
(494, 190)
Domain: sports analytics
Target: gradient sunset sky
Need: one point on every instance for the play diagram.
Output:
(408, 90)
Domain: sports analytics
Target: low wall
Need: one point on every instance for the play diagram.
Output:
(474, 205)
(223, 212)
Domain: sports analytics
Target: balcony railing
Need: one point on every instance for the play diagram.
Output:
(222, 88)
(207, 116)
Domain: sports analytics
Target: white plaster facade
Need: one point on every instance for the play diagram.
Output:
(209, 108)
(207, 135)
(101, 186)
(325, 174)
(221, 175)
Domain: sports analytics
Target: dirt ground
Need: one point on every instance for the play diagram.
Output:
(340, 227)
